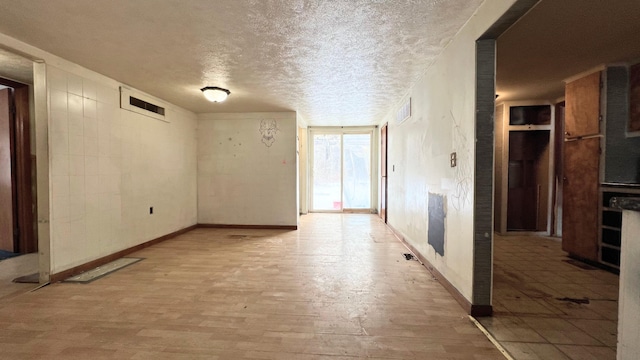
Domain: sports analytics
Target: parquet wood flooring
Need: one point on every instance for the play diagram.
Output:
(337, 288)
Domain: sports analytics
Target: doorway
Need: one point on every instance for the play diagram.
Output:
(341, 176)
(383, 172)
(17, 226)
(528, 181)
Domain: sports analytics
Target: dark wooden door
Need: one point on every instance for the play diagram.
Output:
(383, 173)
(580, 198)
(522, 192)
(7, 223)
(528, 186)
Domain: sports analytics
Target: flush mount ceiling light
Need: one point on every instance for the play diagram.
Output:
(215, 94)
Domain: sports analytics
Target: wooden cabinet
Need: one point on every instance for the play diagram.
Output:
(581, 168)
(580, 198)
(582, 113)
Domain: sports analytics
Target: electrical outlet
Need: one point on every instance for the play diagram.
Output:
(454, 159)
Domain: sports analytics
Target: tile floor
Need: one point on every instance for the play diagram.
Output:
(534, 315)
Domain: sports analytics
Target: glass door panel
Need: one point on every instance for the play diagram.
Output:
(327, 172)
(357, 171)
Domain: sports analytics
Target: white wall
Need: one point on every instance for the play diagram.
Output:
(100, 168)
(442, 122)
(245, 178)
(108, 166)
(629, 299)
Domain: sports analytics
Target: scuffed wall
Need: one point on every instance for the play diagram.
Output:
(442, 122)
(247, 169)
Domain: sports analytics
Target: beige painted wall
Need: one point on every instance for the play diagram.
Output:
(442, 122)
(245, 177)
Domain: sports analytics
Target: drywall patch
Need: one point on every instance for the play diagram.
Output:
(435, 234)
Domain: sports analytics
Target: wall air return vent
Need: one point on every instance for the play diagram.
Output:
(404, 112)
(141, 104)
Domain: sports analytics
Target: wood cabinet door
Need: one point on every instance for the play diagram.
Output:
(582, 112)
(580, 198)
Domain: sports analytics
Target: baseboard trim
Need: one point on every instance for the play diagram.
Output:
(109, 258)
(260, 227)
(471, 309)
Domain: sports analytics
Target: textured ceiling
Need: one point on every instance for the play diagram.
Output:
(559, 39)
(335, 62)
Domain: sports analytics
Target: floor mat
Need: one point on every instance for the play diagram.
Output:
(104, 270)
(7, 254)
(28, 279)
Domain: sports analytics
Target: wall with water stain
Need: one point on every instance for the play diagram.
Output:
(442, 122)
(247, 169)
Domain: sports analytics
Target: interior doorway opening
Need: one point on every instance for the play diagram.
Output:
(19, 262)
(17, 193)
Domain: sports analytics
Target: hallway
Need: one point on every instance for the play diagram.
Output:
(338, 288)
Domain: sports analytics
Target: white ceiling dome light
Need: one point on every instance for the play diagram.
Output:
(215, 94)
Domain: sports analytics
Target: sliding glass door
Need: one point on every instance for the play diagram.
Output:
(327, 172)
(341, 170)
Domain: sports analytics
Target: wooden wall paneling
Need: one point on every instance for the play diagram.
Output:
(580, 198)
(582, 112)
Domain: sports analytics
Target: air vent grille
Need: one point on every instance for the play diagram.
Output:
(404, 112)
(139, 103)
(146, 105)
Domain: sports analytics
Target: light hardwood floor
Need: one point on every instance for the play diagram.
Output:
(338, 288)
